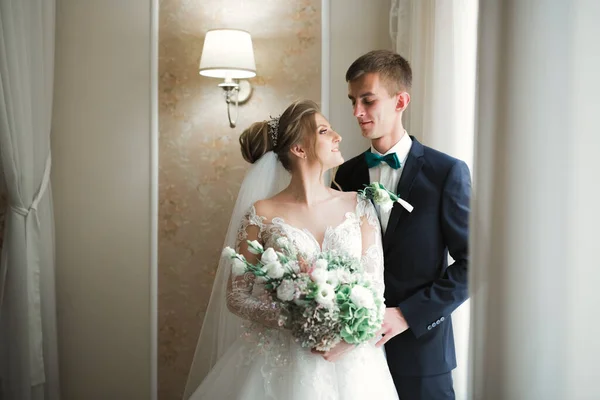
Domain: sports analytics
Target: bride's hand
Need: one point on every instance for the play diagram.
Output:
(393, 324)
(337, 352)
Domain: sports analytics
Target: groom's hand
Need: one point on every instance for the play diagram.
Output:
(393, 324)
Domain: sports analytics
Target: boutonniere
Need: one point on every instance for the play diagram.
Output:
(383, 197)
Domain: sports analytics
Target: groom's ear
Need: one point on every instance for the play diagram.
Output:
(402, 100)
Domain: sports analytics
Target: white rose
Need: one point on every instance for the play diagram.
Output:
(344, 276)
(254, 247)
(318, 275)
(380, 196)
(332, 278)
(382, 199)
(321, 264)
(228, 252)
(286, 290)
(269, 256)
(274, 270)
(293, 265)
(362, 297)
(387, 205)
(282, 242)
(238, 267)
(325, 295)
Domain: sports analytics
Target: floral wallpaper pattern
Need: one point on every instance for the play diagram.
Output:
(201, 167)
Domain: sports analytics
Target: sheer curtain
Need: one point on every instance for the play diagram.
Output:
(536, 216)
(28, 342)
(439, 39)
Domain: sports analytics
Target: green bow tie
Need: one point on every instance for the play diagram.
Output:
(374, 160)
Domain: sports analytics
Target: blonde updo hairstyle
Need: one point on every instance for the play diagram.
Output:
(297, 125)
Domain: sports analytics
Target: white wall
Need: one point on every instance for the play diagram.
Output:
(101, 144)
(356, 27)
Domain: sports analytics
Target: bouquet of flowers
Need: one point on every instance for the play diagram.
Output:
(326, 299)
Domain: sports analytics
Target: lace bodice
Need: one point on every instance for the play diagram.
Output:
(358, 235)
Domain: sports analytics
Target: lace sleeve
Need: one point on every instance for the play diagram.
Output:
(372, 248)
(240, 297)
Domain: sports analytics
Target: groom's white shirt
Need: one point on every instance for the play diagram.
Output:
(389, 176)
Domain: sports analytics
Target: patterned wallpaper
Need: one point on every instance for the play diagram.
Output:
(201, 167)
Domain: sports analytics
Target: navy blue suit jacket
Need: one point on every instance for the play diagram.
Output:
(418, 278)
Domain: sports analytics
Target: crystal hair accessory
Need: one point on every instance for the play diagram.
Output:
(273, 128)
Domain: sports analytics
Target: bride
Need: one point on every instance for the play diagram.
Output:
(243, 353)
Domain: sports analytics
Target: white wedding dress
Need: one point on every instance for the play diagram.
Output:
(266, 362)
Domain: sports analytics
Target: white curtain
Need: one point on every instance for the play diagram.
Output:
(28, 342)
(439, 39)
(536, 215)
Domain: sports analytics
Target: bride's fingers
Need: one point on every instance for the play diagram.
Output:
(384, 339)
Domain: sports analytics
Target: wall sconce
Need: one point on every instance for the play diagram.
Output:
(228, 54)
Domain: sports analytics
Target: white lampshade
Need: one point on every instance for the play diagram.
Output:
(227, 53)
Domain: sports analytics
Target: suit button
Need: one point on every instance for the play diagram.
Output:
(438, 322)
(442, 319)
(429, 328)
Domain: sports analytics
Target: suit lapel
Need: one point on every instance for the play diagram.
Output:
(413, 165)
(361, 173)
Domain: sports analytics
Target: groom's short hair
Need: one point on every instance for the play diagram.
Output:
(393, 69)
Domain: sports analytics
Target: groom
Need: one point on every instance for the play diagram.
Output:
(421, 289)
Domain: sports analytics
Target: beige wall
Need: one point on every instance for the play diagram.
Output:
(101, 185)
(201, 167)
